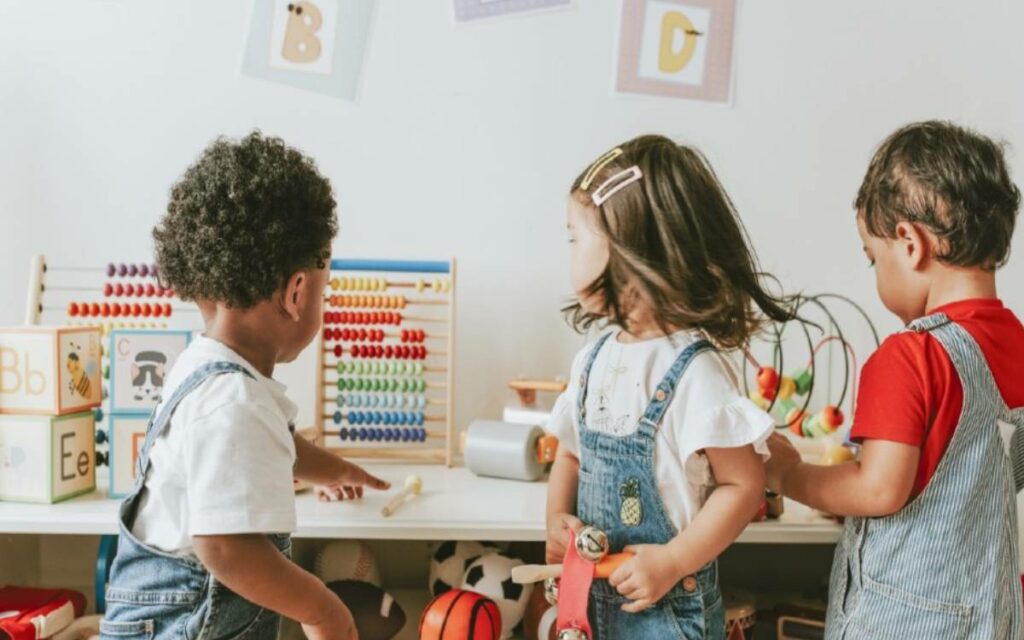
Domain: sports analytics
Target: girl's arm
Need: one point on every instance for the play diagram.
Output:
(319, 466)
(561, 508)
(879, 484)
(252, 567)
(739, 475)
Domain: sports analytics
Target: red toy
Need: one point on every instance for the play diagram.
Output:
(460, 615)
(34, 614)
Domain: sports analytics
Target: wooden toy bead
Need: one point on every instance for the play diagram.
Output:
(795, 419)
(786, 388)
(122, 269)
(111, 270)
(73, 309)
(803, 382)
(143, 270)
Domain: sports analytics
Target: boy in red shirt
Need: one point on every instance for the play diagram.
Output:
(929, 549)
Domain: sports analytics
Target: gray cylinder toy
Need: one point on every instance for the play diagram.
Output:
(503, 450)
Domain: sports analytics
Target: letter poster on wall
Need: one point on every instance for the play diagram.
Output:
(677, 48)
(317, 45)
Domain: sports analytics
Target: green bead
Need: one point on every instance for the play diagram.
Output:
(340, 401)
(803, 382)
(419, 368)
(341, 384)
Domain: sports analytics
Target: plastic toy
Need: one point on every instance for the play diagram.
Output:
(460, 615)
(491, 575)
(35, 614)
(450, 560)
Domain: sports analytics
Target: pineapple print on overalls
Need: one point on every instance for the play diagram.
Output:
(631, 513)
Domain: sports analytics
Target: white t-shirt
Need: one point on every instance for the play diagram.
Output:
(707, 410)
(224, 463)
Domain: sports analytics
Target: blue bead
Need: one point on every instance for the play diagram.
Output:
(387, 418)
(337, 417)
(405, 435)
(420, 418)
(343, 433)
(362, 433)
(422, 433)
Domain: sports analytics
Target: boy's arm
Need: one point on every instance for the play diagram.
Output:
(561, 506)
(739, 477)
(879, 484)
(320, 466)
(252, 567)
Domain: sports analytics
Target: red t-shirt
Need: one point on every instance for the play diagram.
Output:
(910, 391)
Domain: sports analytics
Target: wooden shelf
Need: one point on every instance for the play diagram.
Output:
(454, 505)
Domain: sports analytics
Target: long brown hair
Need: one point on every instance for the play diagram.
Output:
(677, 246)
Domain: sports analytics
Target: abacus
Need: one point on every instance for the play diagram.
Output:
(125, 295)
(385, 360)
(789, 397)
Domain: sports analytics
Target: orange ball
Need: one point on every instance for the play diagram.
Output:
(460, 615)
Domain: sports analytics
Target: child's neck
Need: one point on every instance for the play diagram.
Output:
(244, 332)
(641, 326)
(952, 284)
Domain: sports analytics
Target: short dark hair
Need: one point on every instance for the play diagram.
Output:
(949, 179)
(675, 236)
(245, 217)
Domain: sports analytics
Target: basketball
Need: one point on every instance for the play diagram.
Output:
(460, 615)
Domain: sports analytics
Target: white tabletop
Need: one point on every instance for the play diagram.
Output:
(454, 505)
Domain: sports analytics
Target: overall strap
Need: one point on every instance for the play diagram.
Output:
(159, 421)
(667, 387)
(581, 397)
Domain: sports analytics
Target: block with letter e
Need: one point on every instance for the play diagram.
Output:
(47, 458)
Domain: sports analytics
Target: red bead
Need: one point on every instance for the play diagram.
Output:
(337, 351)
(115, 310)
(356, 351)
(129, 289)
(105, 309)
(396, 319)
(362, 334)
(169, 293)
(94, 309)
(107, 290)
(167, 309)
(150, 289)
(73, 309)
(389, 351)
(136, 310)
(157, 311)
(147, 310)
(118, 289)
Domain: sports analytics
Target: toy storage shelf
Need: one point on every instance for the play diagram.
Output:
(454, 505)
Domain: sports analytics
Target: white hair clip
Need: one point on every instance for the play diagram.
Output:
(614, 184)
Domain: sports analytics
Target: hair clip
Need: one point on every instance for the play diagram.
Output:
(599, 164)
(614, 184)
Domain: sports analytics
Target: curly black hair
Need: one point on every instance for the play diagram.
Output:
(245, 217)
(950, 179)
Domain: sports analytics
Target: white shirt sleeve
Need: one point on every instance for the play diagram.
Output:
(708, 411)
(239, 472)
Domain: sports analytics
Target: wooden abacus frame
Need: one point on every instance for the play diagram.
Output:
(377, 277)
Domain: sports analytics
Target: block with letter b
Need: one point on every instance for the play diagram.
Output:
(50, 371)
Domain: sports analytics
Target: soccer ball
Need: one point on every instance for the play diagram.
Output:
(491, 576)
(450, 561)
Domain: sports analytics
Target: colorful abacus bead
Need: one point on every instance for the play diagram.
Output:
(111, 270)
(803, 381)
(122, 269)
(831, 418)
(795, 420)
(787, 387)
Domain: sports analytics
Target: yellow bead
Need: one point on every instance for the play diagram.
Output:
(786, 388)
(759, 400)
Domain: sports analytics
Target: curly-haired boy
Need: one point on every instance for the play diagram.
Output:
(204, 544)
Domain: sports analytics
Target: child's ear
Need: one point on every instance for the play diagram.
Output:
(293, 297)
(914, 245)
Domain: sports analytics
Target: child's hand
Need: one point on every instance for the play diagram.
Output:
(336, 624)
(558, 536)
(349, 484)
(647, 577)
(784, 458)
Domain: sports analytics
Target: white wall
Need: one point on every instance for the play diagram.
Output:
(466, 139)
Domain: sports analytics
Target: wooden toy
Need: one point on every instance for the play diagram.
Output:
(376, 613)
(603, 568)
(47, 458)
(460, 615)
(386, 360)
(539, 620)
(125, 436)
(115, 296)
(412, 488)
(49, 371)
(139, 361)
(789, 397)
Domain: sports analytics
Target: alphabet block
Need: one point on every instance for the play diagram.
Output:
(126, 436)
(47, 458)
(139, 362)
(50, 371)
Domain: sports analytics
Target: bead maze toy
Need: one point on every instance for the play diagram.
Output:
(789, 397)
(386, 360)
(144, 326)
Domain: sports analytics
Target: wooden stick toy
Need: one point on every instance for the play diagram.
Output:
(413, 486)
(530, 573)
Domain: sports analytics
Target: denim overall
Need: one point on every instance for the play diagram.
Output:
(944, 566)
(155, 595)
(618, 493)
